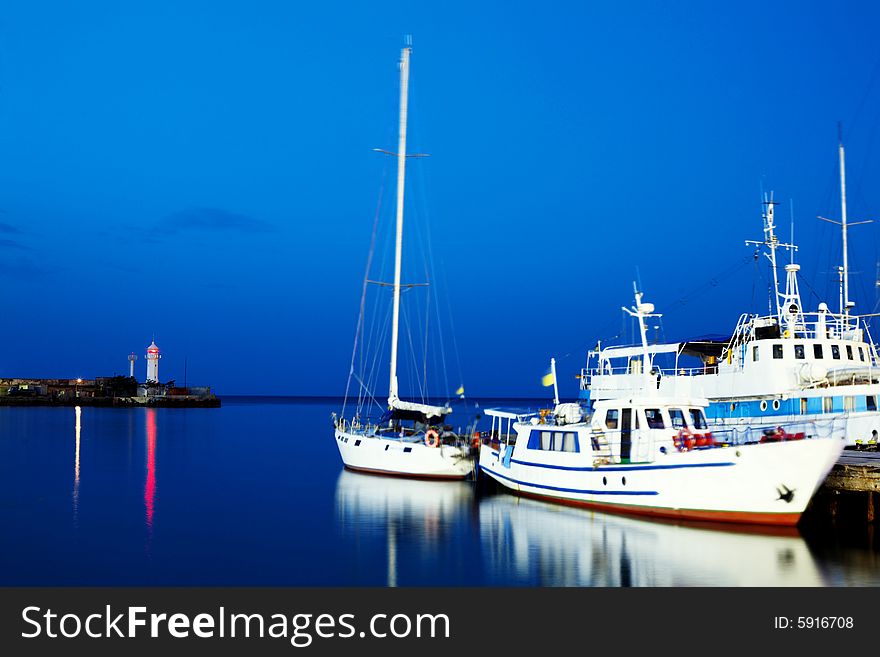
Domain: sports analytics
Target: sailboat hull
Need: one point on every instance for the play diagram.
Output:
(399, 458)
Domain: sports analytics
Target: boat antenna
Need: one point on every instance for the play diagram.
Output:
(640, 311)
(772, 243)
(845, 303)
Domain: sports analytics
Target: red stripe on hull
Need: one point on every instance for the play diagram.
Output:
(734, 517)
(405, 475)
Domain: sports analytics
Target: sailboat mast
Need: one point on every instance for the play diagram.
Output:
(398, 249)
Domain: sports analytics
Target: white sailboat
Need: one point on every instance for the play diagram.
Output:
(411, 439)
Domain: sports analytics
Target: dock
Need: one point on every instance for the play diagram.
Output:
(851, 488)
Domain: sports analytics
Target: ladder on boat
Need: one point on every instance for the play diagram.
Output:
(601, 448)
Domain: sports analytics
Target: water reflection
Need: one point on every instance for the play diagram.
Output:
(150, 485)
(534, 543)
(416, 518)
(77, 430)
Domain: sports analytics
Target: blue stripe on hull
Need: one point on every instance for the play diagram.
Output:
(619, 468)
(568, 490)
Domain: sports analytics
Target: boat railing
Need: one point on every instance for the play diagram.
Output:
(606, 444)
(733, 435)
(587, 375)
(812, 325)
(354, 425)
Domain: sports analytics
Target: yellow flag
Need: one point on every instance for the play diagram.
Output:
(460, 391)
(547, 379)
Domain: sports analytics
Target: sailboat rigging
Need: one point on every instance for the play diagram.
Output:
(411, 438)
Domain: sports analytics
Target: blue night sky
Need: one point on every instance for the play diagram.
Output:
(203, 172)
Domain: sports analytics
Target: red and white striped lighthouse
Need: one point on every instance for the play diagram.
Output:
(153, 357)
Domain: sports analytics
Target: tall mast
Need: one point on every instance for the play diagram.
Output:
(398, 249)
(845, 303)
(845, 308)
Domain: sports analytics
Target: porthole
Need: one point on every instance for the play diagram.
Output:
(764, 405)
(775, 404)
(604, 481)
(733, 406)
(623, 480)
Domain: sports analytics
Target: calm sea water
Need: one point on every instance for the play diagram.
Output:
(254, 493)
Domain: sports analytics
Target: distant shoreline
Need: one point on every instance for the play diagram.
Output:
(215, 401)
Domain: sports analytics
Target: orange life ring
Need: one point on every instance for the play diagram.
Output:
(684, 441)
(432, 438)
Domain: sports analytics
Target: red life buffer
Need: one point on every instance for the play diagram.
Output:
(779, 434)
(704, 439)
(476, 440)
(684, 441)
(432, 438)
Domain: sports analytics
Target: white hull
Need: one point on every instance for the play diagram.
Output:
(768, 483)
(392, 456)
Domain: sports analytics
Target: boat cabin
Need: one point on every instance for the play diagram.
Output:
(626, 430)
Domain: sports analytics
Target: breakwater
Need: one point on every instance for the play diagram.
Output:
(103, 391)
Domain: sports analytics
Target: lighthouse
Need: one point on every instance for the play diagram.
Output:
(153, 363)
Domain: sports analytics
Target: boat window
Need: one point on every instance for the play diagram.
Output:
(777, 351)
(755, 353)
(849, 354)
(654, 418)
(677, 417)
(803, 405)
(835, 352)
(827, 404)
(799, 351)
(817, 351)
(861, 354)
(557, 441)
(849, 403)
(698, 419)
(545, 439)
(871, 402)
(611, 418)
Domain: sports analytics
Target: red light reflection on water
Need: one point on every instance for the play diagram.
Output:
(150, 486)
